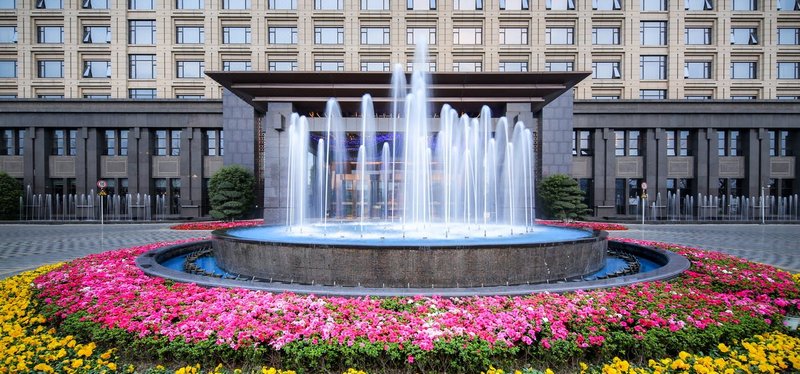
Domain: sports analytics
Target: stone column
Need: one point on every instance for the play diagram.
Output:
(191, 171)
(238, 122)
(41, 147)
(754, 153)
(555, 136)
(276, 161)
(706, 159)
(29, 157)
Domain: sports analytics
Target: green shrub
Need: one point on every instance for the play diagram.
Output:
(561, 198)
(10, 192)
(230, 192)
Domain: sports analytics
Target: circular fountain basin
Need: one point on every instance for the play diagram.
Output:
(385, 255)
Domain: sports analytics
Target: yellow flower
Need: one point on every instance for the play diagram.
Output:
(77, 363)
(548, 371)
(723, 348)
(112, 366)
(44, 367)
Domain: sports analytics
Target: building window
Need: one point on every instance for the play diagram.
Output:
(236, 66)
(467, 66)
(236, 4)
(788, 70)
(697, 36)
(652, 94)
(8, 34)
(375, 5)
(627, 143)
(283, 4)
(51, 69)
(728, 143)
(653, 33)
(65, 143)
(779, 143)
(514, 35)
(559, 66)
(375, 35)
(329, 35)
(653, 67)
(605, 35)
(560, 4)
(142, 67)
(190, 69)
(698, 5)
(559, 35)
(142, 93)
(467, 35)
(8, 4)
(581, 143)
(745, 4)
(283, 35)
(13, 142)
(97, 34)
(50, 97)
(235, 35)
(421, 4)
(606, 4)
(171, 194)
(653, 5)
(468, 5)
(697, 70)
(697, 97)
(142, 32)
(514, 5)
(97, 69)
(744, 35)
(328, 65)
(429, 66)
(49, 4)
(50, 34)
(141, 4)
(167, 142)
(743, 97)
(284, 66)
(416, 34)
(744, 70)
(513, 66)
(605, 97)
(189, 4)
(189, 35)
(730, 187)
(787, 97)
(116, 142)
(374, 66)
(329, 4)
(789, 35)
(677, 143)
(788, 5)
(96, 96)
(8, 68)
(215, 145)
(606, 70)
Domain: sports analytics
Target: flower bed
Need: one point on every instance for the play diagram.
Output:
(215, 225)
(607, 226)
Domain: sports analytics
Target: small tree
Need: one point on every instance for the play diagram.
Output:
(10, 192)
(562, 198)
(230, 192)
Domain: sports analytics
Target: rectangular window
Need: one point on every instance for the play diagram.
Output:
(111, 142)
(653, 5)
(97, 69)
(417, 34)
(606, 4)
(559, 35)
(51, 34)
(142, 67)
(213, 142)
(468, 4)
(787, 97)
(374, 66)
(8, 68)
(627, 143)
(677, 143)
(697, 70)
(190, 35)
(605, 97)
(606, 70)
(8, 34)
(8, 4)
(605, 35)
(65, 143)
(789, 35)
(49, 4)
(283, 66)
(421, 4)
(375, 35)
(559, 66)
(728, 142)
(743, 97)
(430, 66)
(236, 4)
(283, 4)
(96, 97)
(745, 4)
(189, 4)
(328, 65)
(236, 66)
(329, 35)
(236, 35)
(697, 36)
(141, 4)
(514, 35)
(513, 66)
(653, 33)
(51, 69)
(190, 69)
(744, 35)
(619, 143)
(167, 142)
(467, 35)
(581, 143)
(652, 94)
(560, 4)
(515, 4)
(698, 5)
(375, 5)
(788, 5)
(778, 143)
(283, 35)
(653, 67)
(97, 34)
(142, 32)
(142, 93)
(329, 4)
(789, 70)
(13, 142)
(697, 97)
(51, 97)
(744, 70)
(466, 66)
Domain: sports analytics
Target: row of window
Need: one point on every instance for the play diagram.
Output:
(660, 94)
(143, 32)
(631, 143)
(655, 68)
(604, 5)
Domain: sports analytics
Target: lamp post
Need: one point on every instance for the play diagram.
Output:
(763, 202)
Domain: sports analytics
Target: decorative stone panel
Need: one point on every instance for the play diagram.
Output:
(166, 166)
(731, 167)
(630, 167)
(680, 167)
(62, 166)
(781, 167)
(581, 167)
(13, 166)
(211, 164)
(114, 166)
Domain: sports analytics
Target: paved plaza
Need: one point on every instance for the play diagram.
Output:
(27, 246)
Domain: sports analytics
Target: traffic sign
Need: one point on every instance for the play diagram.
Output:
(644, 185)
(102, 184)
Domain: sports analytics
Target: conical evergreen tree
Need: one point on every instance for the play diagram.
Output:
(230, 192)
(561, 198)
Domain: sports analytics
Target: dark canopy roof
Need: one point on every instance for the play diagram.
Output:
(466, 92)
